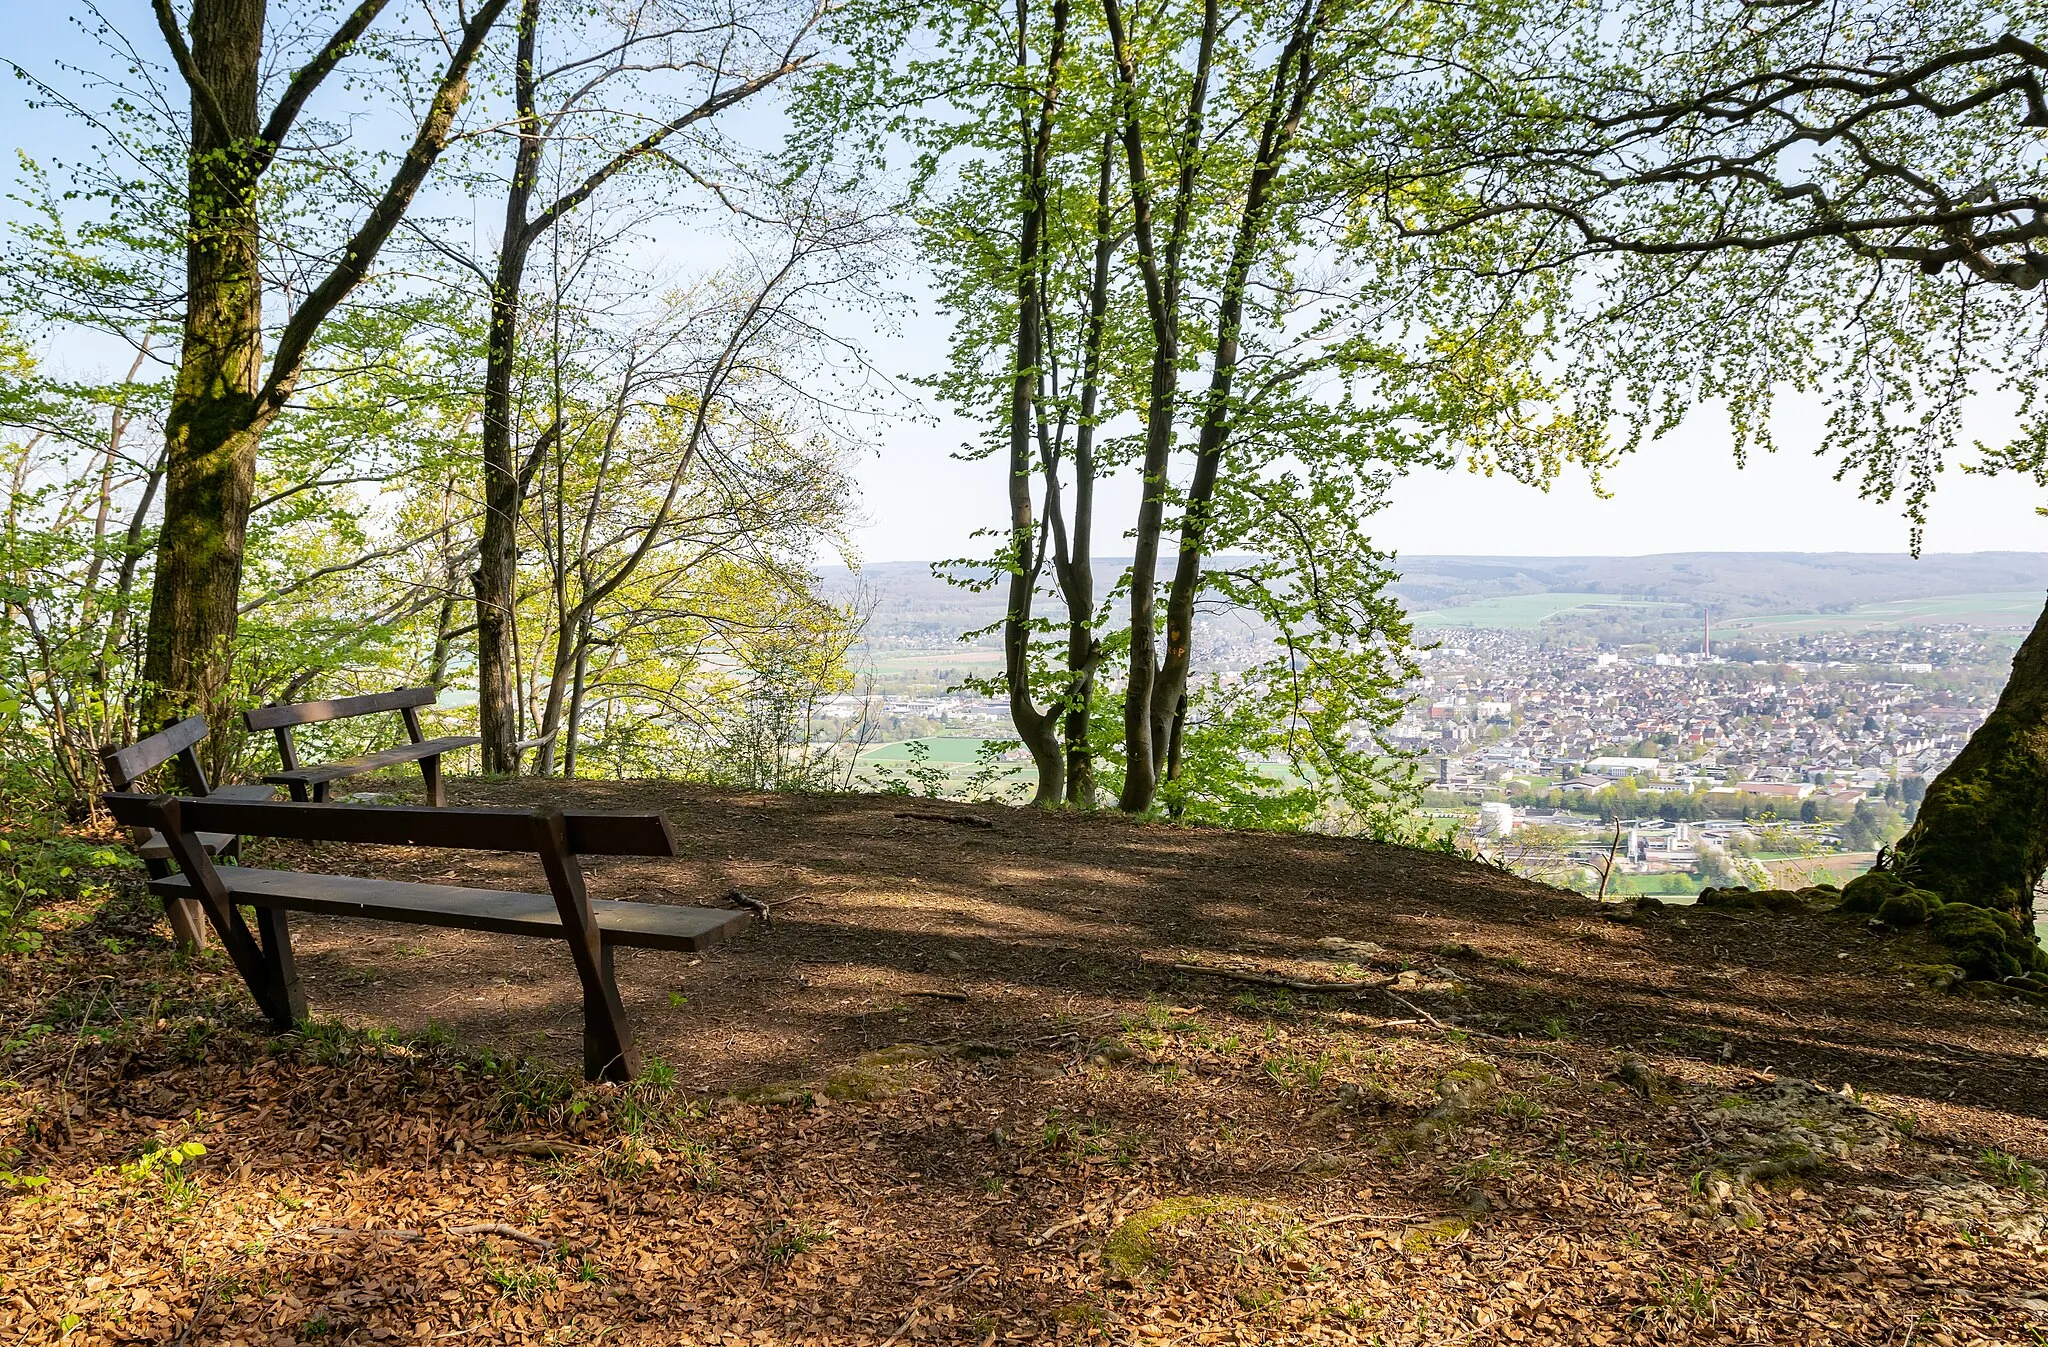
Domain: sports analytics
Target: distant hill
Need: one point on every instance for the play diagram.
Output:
(911, 608)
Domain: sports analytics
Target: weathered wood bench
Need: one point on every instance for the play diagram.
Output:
(126, 766)
(313, 782)
(593, 929)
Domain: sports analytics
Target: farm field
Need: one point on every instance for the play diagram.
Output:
(924, 661)
(1523, 612)
(2013, 608)
(940, 751)
(946, 765)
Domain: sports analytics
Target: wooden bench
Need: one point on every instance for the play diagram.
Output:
(126, 766)
(312, 782)
(593, 929)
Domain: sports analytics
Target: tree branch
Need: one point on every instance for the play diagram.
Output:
(710, 107)
(203, 96)
(309, 77)
(384, 216)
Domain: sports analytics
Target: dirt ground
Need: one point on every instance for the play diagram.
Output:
(983, 1078)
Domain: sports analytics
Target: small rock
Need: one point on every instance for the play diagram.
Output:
(1109, 1052)
(1639, 1076)
(1366, 1098)
(1440, 981)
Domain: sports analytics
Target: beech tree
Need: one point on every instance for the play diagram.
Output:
(233, 377)
(694, 466)
(1150, 272)
(617, 91)
(1759, 198)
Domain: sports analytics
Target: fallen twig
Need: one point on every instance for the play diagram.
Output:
(503, 1231)
(198, 1312)
(365, 1232)
(1275, 980)
(1067, 1224)
(405, 1236)
(1350, 1216)
(64, 1077)
(1450, 1028)
(926, 1299)
(940, 996)
(546, 1150)
(933, 816)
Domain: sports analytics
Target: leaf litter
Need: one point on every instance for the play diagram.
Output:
(1095, 1148)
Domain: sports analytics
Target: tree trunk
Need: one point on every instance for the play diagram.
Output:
(497, 567)
(1982, 834)
(567, 660)
(1144, 731)
(574, 724)
(1293, 81)
(1077, 583)
(211, 429)
(1038, 729)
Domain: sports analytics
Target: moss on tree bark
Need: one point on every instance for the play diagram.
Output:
(1969, 864)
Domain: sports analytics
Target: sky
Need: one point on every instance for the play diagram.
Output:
(918, 503)
(1682, 494)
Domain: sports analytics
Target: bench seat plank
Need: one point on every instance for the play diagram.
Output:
(152, 846)
(370, 762)
(253, 790)
(646, 925)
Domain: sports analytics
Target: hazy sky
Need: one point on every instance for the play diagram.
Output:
(1684, 494)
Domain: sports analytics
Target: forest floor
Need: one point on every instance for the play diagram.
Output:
(982, 1079)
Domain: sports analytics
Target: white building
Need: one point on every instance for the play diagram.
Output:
(1620, 767)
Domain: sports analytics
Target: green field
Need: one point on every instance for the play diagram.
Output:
(922, 661)
(947, 751)
(1523, 612)
(2008, 609)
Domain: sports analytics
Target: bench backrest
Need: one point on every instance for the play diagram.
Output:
(583, 833)
(337, 708)
(126, 766)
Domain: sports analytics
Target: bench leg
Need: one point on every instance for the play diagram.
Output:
(430, 772)
(188, 923)
(320, 792)
(287, 996)
(186, 916)
(298, 790)
(608, 1049)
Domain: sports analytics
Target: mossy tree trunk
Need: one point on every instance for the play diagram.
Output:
(212, 425)
(224, 397)
(1981, 837)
